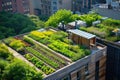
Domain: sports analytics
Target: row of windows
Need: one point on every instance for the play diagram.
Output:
(80, 74)
(9, 9)
(6, 4)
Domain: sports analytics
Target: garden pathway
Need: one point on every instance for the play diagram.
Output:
(19, 56)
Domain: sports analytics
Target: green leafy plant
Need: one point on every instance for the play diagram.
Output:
(40, 64)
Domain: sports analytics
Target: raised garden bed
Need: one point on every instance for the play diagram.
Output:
(41, 57)
(59, 42)
(39, 63)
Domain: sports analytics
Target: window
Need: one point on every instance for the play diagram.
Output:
(97, 71)
(14, 0)
(66, 78)
(78, 75)
(54, 3)
(54, 8)
(60, 2)
(86, 70)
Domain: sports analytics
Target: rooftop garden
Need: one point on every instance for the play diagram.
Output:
(59, 42)
(107, 29)
(44, 49)
(40, 56)
(14, 69)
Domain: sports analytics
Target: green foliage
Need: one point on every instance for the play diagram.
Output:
(49, 54)
(37, 21)
(27, 39)
(20, 70)
(18, 45)
(67, 16)
(6, 31)
(94, 30)
(40, 64)
(3, 64)
(75, 17)
(42, 57)
(43, 17)
(58, 41)
(112, 23)
(89, 18)
(12, 24)
(4, 52)
(112, 38)
(105, 29)
(59, 16)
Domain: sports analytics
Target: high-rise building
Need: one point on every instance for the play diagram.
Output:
(15, 6)
(35, 7)
(81, 6)
(38, 7)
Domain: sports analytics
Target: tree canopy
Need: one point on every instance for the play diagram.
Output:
(59, 16)
(19, 70)
(15, 69)
(14, 24)
(67, 16)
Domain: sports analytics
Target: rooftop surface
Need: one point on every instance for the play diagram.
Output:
(50, 50)
(79, 22)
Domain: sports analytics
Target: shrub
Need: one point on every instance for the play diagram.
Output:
(4, 52)
(20, 70)
(17, 45)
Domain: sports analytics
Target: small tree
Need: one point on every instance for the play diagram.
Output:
(3, 64)
(4, 52)
(18, 70)
(59, 16)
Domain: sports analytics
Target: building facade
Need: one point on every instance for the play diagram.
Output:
(45, 7)
(49, 7)
(81, 6)
(15, 6)
(91, 67)
(35, 7)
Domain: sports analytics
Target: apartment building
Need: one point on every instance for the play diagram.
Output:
(91, 67)
(49, 7)
(15, 6)
(45, 7)
(35, 7)
(81, 6)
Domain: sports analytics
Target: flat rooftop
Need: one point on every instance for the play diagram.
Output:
(82, 33)
(53, 50)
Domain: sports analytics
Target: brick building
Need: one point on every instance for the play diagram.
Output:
(49, 7)
(81, 6)
(15, 6)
